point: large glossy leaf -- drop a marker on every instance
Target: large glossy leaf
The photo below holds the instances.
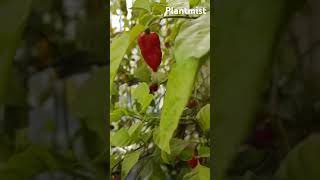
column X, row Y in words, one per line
column 303, row 161
column 90, row 103
column 182, row 76
column 129, row 161
column 118, row 49
column 179, row 89
column 12, row 19
column 193, row 40
column 244, row 38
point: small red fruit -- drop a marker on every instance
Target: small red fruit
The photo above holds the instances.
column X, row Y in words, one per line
column 153, row 88
column 192, row 103
column 149, row 44
column 116, row 178
column 193, row 162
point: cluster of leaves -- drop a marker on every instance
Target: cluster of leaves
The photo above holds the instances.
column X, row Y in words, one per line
column 35, row 43
column 156, row 132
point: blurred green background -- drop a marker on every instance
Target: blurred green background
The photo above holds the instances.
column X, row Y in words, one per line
column 53, row 84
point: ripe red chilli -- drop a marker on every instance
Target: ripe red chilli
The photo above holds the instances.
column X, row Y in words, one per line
column 193, row 162
column 149, row 44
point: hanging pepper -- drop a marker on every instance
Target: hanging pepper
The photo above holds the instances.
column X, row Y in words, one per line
column 149, row 44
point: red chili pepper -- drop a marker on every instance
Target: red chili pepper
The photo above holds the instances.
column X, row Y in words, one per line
column 193, row 162
column 149, row 44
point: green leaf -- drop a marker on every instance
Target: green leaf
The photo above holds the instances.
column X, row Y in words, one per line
column 204, row 151
column 141, row 94
column 135, row 131
column 118, row 49
column 159, row 8
column 199, row 173
column 120, row 138
column 129, row 161
column 194, row 3
column 143, row 73
column 176, row 147
column 193, row 40
column 142, row 4
column 204, row 117
column 12, row 19
column 90, row 104
column 159, row 77
column 244, row 42
column 178, row 3
column 186, row 154
column 116, row 115
column 182, row 76
column 179, row 89
column 303, row 161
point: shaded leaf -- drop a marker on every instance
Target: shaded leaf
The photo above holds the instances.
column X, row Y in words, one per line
column 129, row 161
column 90, row 103
column 303, row 161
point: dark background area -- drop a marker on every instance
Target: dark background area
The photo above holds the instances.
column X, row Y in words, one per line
column 53, row 59
column 266, row 90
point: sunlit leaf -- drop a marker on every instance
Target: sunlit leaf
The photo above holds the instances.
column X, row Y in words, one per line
column 142, row 4
column 120, row 138
column 199, row 173
column 193, row 39
column 118, row 49
column 141, row 94
column 204, row 117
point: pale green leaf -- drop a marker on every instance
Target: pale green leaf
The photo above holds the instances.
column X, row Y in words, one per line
column 141, row 94
column 118, row 49
column 193, row 39
column 120, row 138
column 116, row 115
column 142, row 4
column 178, row 4
column 179, row 89
column 204, row 117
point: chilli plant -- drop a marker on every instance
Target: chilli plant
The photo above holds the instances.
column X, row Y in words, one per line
column 159, row 91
